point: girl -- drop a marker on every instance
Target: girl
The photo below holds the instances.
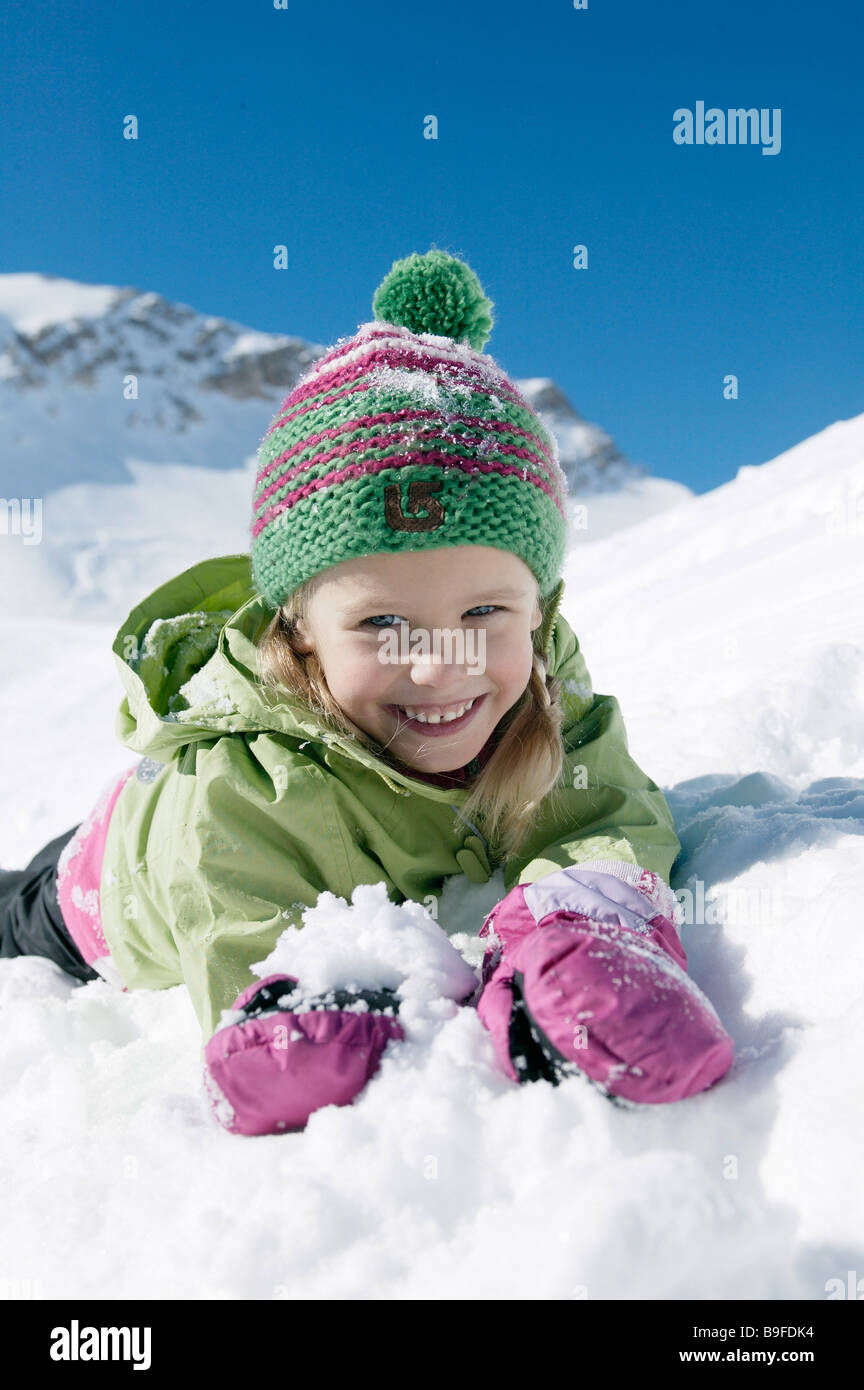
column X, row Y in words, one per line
column 384, row 690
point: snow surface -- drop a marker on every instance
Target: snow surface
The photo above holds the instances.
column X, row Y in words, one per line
column 31, row 302
column 731, row 628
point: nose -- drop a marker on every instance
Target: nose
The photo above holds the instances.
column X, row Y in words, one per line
column 434, row 673
column 431, row 670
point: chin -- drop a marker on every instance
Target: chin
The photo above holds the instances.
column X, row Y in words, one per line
column 445, row 760
column 434, row 764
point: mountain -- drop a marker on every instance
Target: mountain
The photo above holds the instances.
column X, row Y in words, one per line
column 116, row 481
column 206, row 387
column 589, row 456
column 607, row 491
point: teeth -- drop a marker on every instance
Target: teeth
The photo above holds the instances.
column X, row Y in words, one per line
column 436, row 718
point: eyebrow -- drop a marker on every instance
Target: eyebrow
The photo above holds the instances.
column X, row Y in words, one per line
column 379, row 603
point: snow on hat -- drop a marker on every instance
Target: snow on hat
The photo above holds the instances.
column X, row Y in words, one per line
column 407, row 436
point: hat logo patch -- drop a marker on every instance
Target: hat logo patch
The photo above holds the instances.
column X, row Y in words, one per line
column 420, row 497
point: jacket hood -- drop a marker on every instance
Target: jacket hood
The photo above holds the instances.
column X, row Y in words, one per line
column 187, row 660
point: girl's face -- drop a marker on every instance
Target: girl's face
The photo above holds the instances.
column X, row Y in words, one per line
column 458, row 623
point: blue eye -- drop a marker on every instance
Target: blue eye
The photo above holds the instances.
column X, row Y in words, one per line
column 380, row 618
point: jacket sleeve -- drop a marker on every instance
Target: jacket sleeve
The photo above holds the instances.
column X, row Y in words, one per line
column 255, row 852
column 605, row 810
column 247, row 863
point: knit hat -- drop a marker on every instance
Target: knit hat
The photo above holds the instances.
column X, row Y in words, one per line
column 407, row 436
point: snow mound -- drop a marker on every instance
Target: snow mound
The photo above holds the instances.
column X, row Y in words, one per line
column 370, row 944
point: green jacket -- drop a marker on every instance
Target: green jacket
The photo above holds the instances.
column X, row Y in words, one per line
column 247, row 807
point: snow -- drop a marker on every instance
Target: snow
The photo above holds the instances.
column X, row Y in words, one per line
column 373, row 944
column 421, row 383
column 203, row 689
column 731, row 628
column 601, row 514
column 744, row 607
column 32, row 302
column 248, row 343
column 424, row 385
column 111, row 377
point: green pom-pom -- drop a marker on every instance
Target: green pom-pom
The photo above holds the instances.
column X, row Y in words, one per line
column 435, row 293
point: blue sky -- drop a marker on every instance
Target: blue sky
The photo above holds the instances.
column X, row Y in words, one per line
column 304, row 126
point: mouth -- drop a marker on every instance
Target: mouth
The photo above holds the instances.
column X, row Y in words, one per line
column 440, row 719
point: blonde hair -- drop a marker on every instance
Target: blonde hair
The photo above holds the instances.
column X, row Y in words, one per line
column 523, row 769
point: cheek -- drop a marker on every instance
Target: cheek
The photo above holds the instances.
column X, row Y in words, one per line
column 355, row 674
column 509, row 663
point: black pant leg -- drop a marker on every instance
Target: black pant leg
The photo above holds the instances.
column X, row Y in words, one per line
column 31, row 923
column 10, row 881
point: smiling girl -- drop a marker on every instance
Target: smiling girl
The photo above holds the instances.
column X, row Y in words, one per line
column 405, row 486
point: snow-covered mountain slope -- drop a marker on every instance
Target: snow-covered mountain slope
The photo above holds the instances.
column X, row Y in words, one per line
column 737, row 617
column 731, row 627
column 91, row 375
column 607, row 491
column 589, row 456
column 111, row 482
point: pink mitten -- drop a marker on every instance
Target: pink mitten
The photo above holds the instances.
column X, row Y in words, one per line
column 585, row 971
column 284, row 1055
